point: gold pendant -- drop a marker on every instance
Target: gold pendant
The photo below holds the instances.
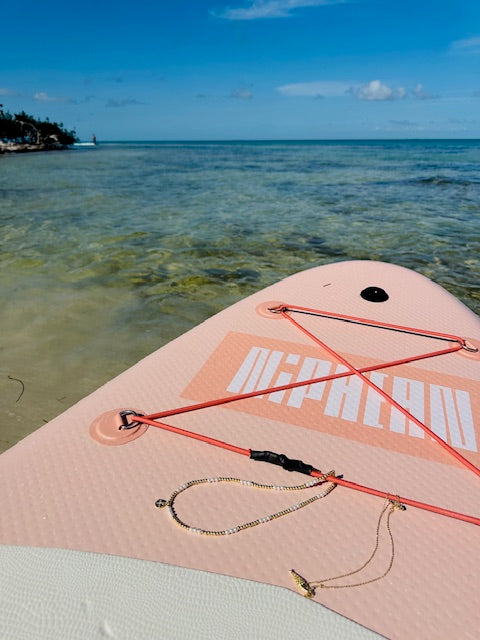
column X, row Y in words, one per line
column 305, row 587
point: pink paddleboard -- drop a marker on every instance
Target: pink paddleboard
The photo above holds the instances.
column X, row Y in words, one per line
column 87, row 552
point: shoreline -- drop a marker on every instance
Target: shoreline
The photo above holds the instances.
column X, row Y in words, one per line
column 14, row 147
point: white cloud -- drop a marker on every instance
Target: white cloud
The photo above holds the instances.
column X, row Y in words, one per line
column 421, row 94
column 42, row 96
column 257, row 9
column 467, row 45
column 377, row 90
column 317, row 89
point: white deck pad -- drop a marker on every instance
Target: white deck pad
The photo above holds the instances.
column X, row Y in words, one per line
column 51, row 594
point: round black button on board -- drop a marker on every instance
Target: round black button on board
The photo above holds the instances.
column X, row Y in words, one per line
column 374, row 294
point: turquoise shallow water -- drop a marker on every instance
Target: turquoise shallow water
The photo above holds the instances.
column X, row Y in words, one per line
column 108, row 253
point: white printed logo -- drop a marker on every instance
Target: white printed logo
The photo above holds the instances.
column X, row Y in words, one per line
column 446, row 411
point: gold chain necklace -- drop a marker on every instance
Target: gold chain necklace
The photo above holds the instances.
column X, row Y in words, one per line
column 308, row 588
column 169, row 504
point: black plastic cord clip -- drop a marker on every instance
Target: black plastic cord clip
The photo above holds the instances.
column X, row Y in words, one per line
column 283, row 461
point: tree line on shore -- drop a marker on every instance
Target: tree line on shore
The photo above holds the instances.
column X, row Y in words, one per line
column 23, row 132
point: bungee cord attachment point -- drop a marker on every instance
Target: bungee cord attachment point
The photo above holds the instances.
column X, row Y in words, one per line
column 124, row 418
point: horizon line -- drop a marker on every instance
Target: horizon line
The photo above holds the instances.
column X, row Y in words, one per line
column 246, row 140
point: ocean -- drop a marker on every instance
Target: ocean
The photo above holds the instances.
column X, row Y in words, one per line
column 107, row 253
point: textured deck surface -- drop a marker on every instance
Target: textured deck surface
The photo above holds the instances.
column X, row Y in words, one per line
column 61, row 489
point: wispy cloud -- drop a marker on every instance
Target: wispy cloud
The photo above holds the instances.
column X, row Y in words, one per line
column 84, row 100
column 467, row 45
column 8, row 92
column 420, row 93
column 372, row 91
column 316, row 89
column 377, row 90
column 124, row 102
column 257, row 9
column 409, row 124
column 242, row 94
column 43, row 96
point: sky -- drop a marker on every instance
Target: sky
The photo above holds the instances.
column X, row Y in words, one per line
column 245, row 69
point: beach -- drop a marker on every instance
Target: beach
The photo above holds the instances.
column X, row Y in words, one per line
column 110, row 252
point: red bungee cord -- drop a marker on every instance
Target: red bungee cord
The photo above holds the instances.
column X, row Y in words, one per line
column 296, row 465
column 453, row 452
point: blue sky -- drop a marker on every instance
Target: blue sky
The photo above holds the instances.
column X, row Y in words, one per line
column 245, row 69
